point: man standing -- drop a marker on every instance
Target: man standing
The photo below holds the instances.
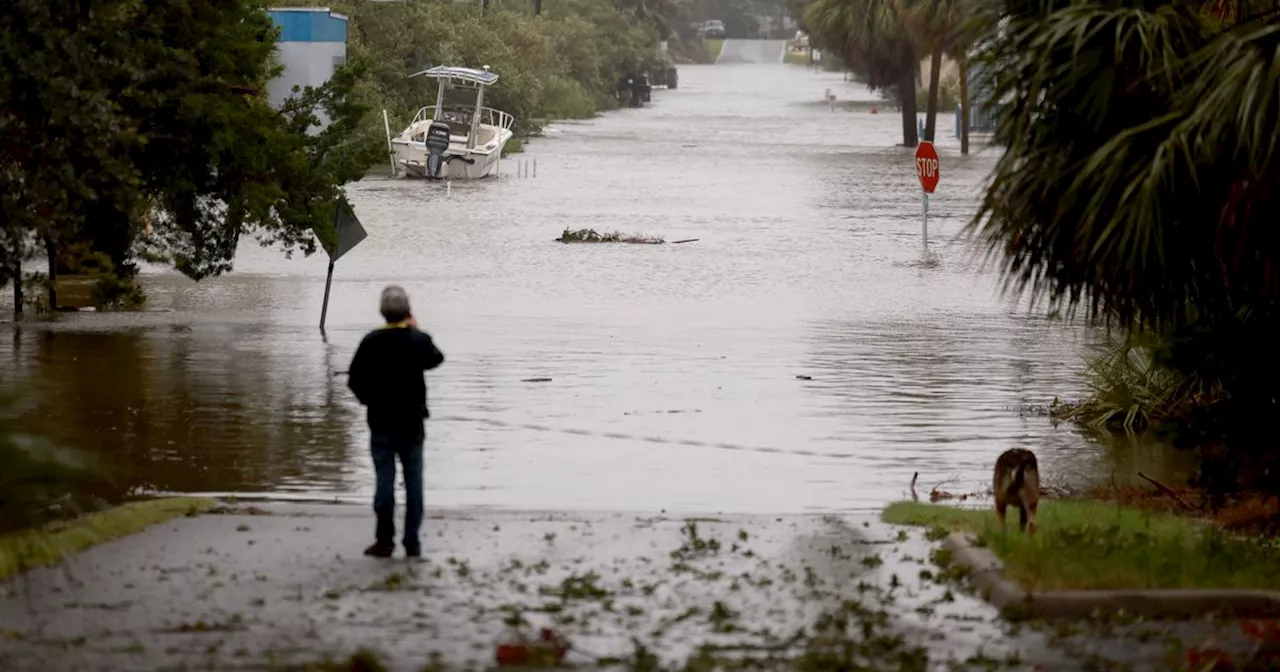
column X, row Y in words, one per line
column 386, row 375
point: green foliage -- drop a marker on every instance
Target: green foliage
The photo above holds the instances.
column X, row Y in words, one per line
column 567, row 99
column 1140, row 184
column 1154, row 161
column 872, row 38
column 1132, row 389
column 738, row 16
column 940, row 28
column 110, row 292
column 143, row 128
column 712, row 48
column 946, row 100
column 79, row 258
column 1094, row 545
column 549, row 66
column 884, row 41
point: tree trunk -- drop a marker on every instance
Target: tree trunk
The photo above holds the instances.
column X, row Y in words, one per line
column 935, row 77
column 963, row 60
column 907, row 103
column 17, row 288
column 51, row 251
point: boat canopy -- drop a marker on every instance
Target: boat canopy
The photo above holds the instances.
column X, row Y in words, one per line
column 483, row 77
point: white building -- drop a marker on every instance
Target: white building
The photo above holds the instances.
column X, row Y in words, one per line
column 313, row 43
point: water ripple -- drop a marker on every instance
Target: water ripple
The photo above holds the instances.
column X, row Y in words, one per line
column 665, row 361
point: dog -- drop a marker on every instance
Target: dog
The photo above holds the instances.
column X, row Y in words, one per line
column 1017, row 483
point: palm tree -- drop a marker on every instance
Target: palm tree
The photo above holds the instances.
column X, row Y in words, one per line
column 945, row 27
column 1141, row 182
column 663, row 15
column 872, row 39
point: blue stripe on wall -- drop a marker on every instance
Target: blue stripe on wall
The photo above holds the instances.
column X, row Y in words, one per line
column 308, row 26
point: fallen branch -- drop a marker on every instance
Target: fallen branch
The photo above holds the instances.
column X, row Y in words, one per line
column 1166, row 490
column 937, row 494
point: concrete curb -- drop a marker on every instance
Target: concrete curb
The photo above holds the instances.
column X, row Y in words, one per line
column 986, row 572
column 987, row 576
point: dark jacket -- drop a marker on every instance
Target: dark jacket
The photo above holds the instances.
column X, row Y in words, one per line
column 386, row 375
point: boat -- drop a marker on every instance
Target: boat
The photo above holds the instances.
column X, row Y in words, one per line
column 458, row 138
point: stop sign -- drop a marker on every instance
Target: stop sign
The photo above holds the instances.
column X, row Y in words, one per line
column 927, row 166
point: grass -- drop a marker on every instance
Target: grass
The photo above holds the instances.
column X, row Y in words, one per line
column 49, row 544
column 592, row 236
column 713, row 47
column 795, row 57
column 1094, row 545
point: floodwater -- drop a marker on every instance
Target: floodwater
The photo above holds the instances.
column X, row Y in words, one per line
column 805, row 318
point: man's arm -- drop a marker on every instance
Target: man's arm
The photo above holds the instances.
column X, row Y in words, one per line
column 357, row 375
column 429, row 354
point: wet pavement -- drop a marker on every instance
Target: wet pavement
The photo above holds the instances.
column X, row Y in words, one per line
column 761, row 52
column 265, row 584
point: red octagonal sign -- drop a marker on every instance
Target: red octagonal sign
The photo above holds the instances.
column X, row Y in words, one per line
column 927, row 166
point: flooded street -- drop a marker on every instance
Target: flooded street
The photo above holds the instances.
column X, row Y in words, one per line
column 808, row 264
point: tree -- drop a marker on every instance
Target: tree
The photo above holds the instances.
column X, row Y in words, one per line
column 242, row 167
column 871, row 37
column 663, row 15
column 64, row 133
column 944, row 27
column 133, row 111
column 1140, row 183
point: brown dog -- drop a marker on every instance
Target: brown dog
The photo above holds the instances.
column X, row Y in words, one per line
column 1017, row 483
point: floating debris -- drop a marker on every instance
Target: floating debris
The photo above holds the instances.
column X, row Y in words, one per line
column 536, row 380
column 593, row 236
column 548, row 650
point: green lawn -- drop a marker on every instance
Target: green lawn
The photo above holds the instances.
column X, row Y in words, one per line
column 48, row 545
column 713, row 47
column 795, row 57
column 1094, row 545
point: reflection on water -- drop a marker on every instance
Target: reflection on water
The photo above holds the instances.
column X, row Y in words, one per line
column 808, row 265
column 189, row 413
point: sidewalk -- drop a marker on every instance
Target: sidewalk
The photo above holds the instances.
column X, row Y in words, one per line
column 270, row 584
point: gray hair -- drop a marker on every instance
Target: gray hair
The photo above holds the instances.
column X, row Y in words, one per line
column 394, row 304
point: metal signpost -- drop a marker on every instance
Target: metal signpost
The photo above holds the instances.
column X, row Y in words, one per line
column 927, row 171
column 350, row 233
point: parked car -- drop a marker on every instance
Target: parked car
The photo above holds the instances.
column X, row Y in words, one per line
column 713, row 28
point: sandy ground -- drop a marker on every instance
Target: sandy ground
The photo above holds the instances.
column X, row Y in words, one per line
column 266, row 585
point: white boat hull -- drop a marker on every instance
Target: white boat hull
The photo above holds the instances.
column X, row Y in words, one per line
column 464, row 164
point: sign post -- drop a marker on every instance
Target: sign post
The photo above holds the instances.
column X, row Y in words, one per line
column 927, row 171
column 350, row 233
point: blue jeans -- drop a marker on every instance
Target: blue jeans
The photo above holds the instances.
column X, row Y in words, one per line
column 386, row 449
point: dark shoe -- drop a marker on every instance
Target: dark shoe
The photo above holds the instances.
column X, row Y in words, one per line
column 379, row 551
column 412, row 551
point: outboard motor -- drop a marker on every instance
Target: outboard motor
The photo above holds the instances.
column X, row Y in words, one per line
column 437, row 143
